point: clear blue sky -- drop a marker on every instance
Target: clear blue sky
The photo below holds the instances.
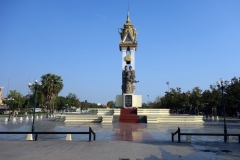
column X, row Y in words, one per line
column 186, row 42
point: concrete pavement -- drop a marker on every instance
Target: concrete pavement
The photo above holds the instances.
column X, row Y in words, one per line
column 118, row 142
column 115, row 150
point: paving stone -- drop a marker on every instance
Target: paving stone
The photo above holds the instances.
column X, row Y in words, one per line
column 152, row 142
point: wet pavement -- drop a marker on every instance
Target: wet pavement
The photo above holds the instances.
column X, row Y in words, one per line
column 119, row 141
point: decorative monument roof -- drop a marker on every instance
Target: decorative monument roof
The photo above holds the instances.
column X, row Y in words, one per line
column 128, row 34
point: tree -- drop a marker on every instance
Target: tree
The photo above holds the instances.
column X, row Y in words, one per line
column 110, row 104
column 73, row 100
column 18, row 101
column 173, row 99
column 211, row 98
column 195, row 97
column 40, row 96
column 51, row 86
column 144, row 105
column 61, row 102
column 233, row 94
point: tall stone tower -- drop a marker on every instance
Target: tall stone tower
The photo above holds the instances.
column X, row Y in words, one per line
column 128, row 47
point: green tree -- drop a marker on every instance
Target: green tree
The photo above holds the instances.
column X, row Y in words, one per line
column 211, row 98
column 84, row 105
column 110, row 104
column 40, row 98
column 232, row 97
column 73, row 100
column 144, row 105
column 61, row 102
column 18, row 101
column 196, row 97
column 173, row 99
column 51, row 86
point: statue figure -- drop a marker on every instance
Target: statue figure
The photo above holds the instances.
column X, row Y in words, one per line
column 124, row 79
column 128, row 80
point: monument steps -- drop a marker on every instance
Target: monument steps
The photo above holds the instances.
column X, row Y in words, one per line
column 130, row 116
column 129, row 119
column 128, row 111
column 116, row 118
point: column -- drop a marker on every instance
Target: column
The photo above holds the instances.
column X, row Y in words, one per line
column 132, row 52
column 124, row 53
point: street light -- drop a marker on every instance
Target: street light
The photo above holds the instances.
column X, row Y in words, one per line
column 221, row 84
column 36, row 86
column 168, row 85
column 206, row 109
column 148, row 100
column 10, row 99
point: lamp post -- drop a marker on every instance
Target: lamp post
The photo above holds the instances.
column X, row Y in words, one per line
column 148, row 100
column 168, row 85
column 221, row 84
column 10, row 99
column 36, row 86
column 206, row 108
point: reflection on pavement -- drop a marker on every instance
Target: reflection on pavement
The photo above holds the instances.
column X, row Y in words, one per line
column 131, row 132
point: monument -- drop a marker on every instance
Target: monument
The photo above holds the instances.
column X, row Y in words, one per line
column 128, row 47
column 1, row 97
column 128, row 103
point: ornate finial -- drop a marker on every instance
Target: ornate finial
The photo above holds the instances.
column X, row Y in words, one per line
column 128, row 15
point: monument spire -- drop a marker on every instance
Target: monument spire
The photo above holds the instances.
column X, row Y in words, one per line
column 128, row 15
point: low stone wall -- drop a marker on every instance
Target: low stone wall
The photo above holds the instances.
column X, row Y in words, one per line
column 107, row 119
column 82, row 118
column 174, row 119
column 106, row 116
column 116, row 112
column 152, row 112
column 104, row 111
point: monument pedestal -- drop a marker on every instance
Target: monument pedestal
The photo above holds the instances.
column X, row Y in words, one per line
column 129, row 101
column 129, row 116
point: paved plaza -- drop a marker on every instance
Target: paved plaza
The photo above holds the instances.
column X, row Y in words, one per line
column 117, row 141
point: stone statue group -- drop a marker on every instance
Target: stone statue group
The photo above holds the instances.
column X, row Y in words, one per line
column 128, row 80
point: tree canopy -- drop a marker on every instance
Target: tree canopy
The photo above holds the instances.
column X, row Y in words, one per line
column 175, row 99
column 14, row 100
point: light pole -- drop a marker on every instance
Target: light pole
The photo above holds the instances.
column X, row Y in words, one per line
column 168, row 85
column 221, row 84
column 10, row 99
column 36, row 86
column 148, row 100
column 206, row 108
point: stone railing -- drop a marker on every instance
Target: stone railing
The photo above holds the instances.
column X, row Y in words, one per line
column 81, row 118
column 104, row 111
column 153, row 112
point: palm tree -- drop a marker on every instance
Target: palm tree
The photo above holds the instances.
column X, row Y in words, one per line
column 51, row 86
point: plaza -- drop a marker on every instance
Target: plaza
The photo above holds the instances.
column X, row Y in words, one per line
column 121, row 96
column 119, row 141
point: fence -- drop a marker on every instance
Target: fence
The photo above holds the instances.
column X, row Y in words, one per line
column 35, row 134
column 200, row 134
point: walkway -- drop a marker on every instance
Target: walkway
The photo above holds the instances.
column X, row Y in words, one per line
column 117, row 142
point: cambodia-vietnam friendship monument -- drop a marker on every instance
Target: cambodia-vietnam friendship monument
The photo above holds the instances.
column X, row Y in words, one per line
column 128, row 47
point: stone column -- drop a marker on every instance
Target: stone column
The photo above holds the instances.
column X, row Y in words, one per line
column 124, row 53
column 132, row 52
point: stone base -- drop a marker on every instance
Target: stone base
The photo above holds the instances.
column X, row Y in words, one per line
column 81, row 118
column 174, row 119
column 128, row 101
column 144, row 115
column 148, row 112
column 107, row 119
